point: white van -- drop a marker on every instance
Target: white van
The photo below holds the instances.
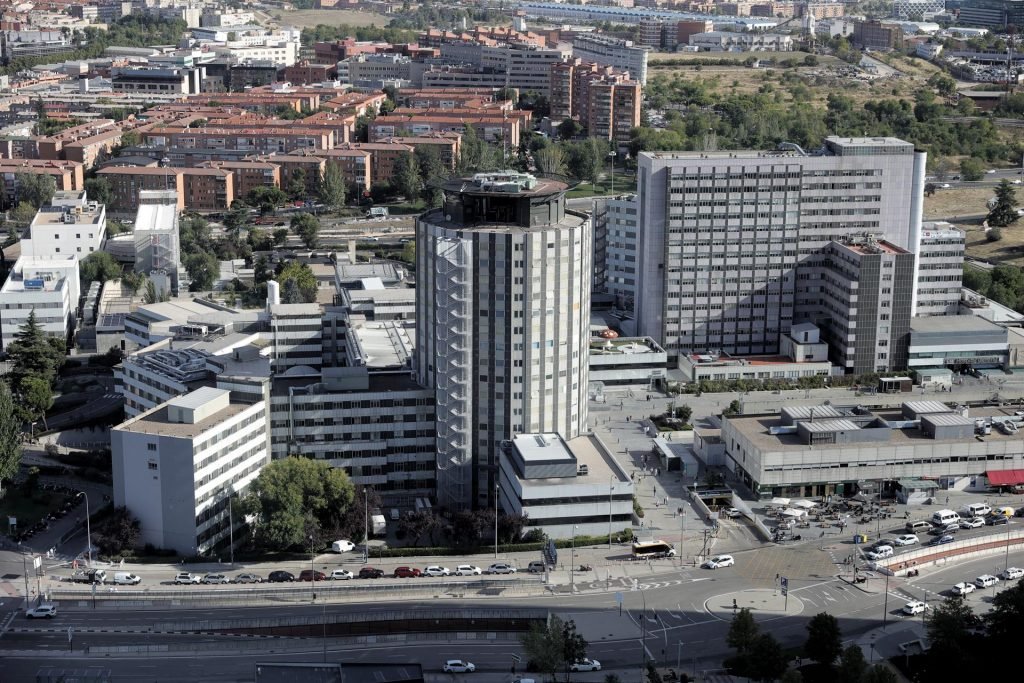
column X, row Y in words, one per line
column 944, row 517
column 126, row 579
column 976, row 510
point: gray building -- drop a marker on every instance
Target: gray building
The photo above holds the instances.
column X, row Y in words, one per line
column 958, row 342
column 503, row 315
column 733, row 246
column 611, row 51
column 940, row 270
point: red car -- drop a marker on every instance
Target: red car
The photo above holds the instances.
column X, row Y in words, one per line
column 407, row 572
column 310, row 575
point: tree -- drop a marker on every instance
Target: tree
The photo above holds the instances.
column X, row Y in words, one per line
column 971, row 169
column 98, row 190
column 23, row 213
column 407, row 177
column 574, row 646
column 1003, row 622
column 684, row 413
column 586, row 159
column 332, row 187
column 993, row 235
column 32, row 355
column 416, row 524
column 824, row 640
column 203, row 269
column 237, row 216
column 267, row 198
column 766, row 660
column 554, row 646
column 569, row 128
column 880, row 673
column 280, row 236
column 954, row 646
column 852, row 665
column 99, row 266
column 131, row 280
column 510, row 527
column 35, row 189
column 117, row 532
column 307, row 227
column 1004, row 211
column 35, row 397
column 550, row 160
column 295, row 498
column 467, row 528
column 929, row 189
column 10, row 435
column 297, row 184
column 298, row 284
column 432, row 172
column 743, row 631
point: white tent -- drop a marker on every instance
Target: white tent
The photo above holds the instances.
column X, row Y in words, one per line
column 806, row 504
column 781, row 502
column 793, row 512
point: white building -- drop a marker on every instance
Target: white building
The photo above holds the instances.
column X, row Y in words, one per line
column 70, row 225
column 176, row 466
column 157, row 241
column 49, row 287
column 609, row 51
column 296, row 335
column 733, row 247
column 919, row 9
column 279, row 52
column 621, row 251
column 725, row 41
column 627, row 360
column 567, row 488
column 940, row 262
column 184, row 317
column 503, row 312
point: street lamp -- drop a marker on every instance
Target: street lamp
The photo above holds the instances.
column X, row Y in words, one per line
column 312, row 571
column 572, row 562
column 1007, row 563
column 611, row 168
column 611, row 487
column 366, row 526
column 496, row 490
column 88, row 527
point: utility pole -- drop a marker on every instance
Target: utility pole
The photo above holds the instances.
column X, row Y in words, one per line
column 611, row 487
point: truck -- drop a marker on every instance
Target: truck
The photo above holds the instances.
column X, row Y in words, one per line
column 377, row 212
column 652, row 550
column 89, row 576
column 380, row 525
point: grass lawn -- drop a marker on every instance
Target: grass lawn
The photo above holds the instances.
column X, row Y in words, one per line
column 29, row 509
column 623, row 185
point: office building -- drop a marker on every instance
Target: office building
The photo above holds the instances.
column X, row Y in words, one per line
column 733, row 247
column 874, row 35
column 608, row 51
column 503, row 300
column 158, row 81
column 940, row 270
column 176, row 466
column 49, row 287
column 722, row 41
column 157, row 242
column 296, row 334
column 621, row 251
column 961, row 343
column 71, row 224
column 995, row 14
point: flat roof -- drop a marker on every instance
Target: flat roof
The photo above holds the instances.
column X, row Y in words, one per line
column 808, row 412
column 156, row 217
column 587, row 450
column 953, row 323
column 927, row 407
column 56, row 216
column 198, row 398
column 156, row 422
column 385, row 343
column 948, row 420
column 838, row 425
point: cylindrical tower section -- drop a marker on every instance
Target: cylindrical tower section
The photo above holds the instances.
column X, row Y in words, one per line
column 503, row 306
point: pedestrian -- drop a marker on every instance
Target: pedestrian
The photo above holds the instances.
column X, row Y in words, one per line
column 628, row 419
column 947, row 500
column 907, row 515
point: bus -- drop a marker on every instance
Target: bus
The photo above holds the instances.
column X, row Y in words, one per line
column 653, row 549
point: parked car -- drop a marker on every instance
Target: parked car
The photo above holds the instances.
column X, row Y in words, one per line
column 371, row 573
column 585, row 665
column 1012, row 573
column 719, row 561
column 962, row 588
column 281, row 576
column 941, row 540
column 187, row 577
column 41, row 612
column 248, row 578
column 501, row 568
column 341, row 575
column 730, row 512
column 985, row 581
column 468, row 570
column 342, row 546
column 941, row 529
column 215, row 579
column 406, row 572
column 906, row 539
column 994, row 520
column 972, row 523
column 914, row 607
column 434, row 570
column 312, row 575
column 459, row 666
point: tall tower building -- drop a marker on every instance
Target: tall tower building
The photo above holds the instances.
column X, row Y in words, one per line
column 503, row 316
column 732, row 249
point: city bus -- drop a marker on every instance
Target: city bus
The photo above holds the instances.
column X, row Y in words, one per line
column 653, row 549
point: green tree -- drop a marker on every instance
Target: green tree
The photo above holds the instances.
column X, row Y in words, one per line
column 99, row 266
column 332, row 187
column 586, row 159
column 295, row 498
column 1004, row 211
column 554, row 646
column 23, row 213
column 766, row 660
column 132, row 280
column 118, row 532
column 880, row 673
column 237, row 216
column 267, row 198
column 993, row 235
column 684, row 413
column 852, row 665
column 98, row 190
column 972, row 169
column 407, row 177
column 36, row 189
column 32, row 354
column 569, row 129
column 550, row 160
column 954, row 646
column 1004, row 621
column 824, row 640
column 297, row 277
column 432, row 173
column 35, row 397
column 297, row 184
column 743, row 631
column 280, row 236
column 203, row 269
column 307, row 227
column 574, row 646
column 10, row 435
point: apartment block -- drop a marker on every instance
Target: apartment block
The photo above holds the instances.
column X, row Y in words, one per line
column 127, row 181
column 67, row 175
column 70, row 225
column 940, row 259
column 685, row 29
column 303, row 73
column 733, row 247
column 248, row 175
column 355, row 165
column 867, row 304
column 382, row 157
column 208, row 189
column 176, row 466
column 613, row 109
column 455, row 98
column 255, row 140
column 292, row 165
column 492, row 128
column 157, row 81
column 877, row 36
column 608, row 51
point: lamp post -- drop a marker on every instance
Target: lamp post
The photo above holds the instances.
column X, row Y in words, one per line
column 643, row 638
column 231, row 532
column 611, row 168
column 88, row 526
column 572, row 562
column 366, row 526
column 885, row 606
column 611, row 487
column 312, row 571
column 497, row 489
column 1006, row 564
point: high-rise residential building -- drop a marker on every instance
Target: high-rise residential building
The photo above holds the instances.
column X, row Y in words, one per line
column 731, row 252
column 603, row 99
column 176, row 466
column 940, row 263
column 609, row 51
column 866, row 304
column 503, row 274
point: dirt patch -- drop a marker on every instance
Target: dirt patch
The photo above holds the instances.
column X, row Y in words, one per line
column 308, row 18
column 957, row 202
column 1010, row 249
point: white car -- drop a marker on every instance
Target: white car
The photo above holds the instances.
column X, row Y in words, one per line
column 732, row 512
column 340, row 575
column 972, row 523
column 468, row 570
column 944, row 186
column 215, row 578
column 458, row 666
column 1012, row 573
column 187, row 577
column 906, row 539
column 42, row 612
column 501, row 568
column 342, row 546
column 985, row 580
column 962, row 588
column 434, row 570
column 719, row 561
column 914, row 607
column 585, row 665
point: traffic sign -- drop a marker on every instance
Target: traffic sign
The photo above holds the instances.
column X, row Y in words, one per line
column 516, row 658
column 784, row 582
column 618, row 597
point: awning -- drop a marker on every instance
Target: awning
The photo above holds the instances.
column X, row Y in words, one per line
column 793, row 512
column 1005, row 477
column 783, row 502
column 805, row 504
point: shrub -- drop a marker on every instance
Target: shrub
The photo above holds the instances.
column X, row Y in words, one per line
column 993, row 234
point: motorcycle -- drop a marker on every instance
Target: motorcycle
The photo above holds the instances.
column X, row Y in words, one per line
column 585, row 568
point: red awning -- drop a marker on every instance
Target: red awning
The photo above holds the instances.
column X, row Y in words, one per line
column 1005, row 477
